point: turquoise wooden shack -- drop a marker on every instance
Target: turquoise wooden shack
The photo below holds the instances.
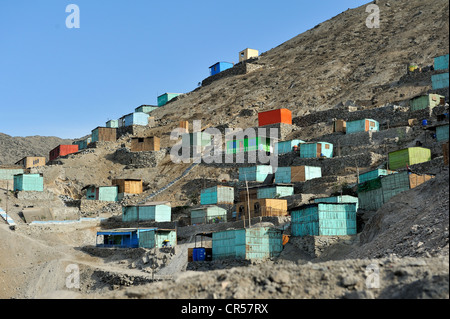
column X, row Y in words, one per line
column 8, row 173
column 208, row 214
column 364, row 125
column 441, row 62
column 257, row 173
column 286, row 146
column 102, row 193
column 374, row 193
column 442, row 133
column 112, row 124
column 166, row 97
column 146, row 109
column 316, row 150
column 137, row 118
column 29, row 182
column 136, row 238
column 324, row 219
column 152, row 211
column 294, row 174
column 249, row 244
column 346, row 199
column 368, row 176
column 440, row 81
column 275, row 191
column 217, row 195
column 83, row 143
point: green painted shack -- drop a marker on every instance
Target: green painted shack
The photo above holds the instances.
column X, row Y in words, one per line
column 324, row 219
column 152, row 211
column 250, row 144
column 426, row 101
column 29, row 182
column 408, row 156
column 257, row 243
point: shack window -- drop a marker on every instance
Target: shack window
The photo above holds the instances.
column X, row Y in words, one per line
column 140, row 140
column 327, row 146
column 372, row 124
column 257, row 208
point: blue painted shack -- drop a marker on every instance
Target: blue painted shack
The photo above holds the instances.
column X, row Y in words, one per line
column 286, row 146
column 217, row 195
column 374, row 174
column 112, row 124
column 257, row 243
column 275, row 191
column 441, row 62
column 29, row 182
column 364, row 125
column 137, row 118
column 324, row 219
column 219, row 67
column 136, row 238
column 256, row 173
column 316, row 150
column 338, row 199
column 442, row 132
column 440, row 81
column 152, row 211
column 295, row 174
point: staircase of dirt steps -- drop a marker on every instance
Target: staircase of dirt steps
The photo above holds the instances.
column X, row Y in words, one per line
column 185, row 173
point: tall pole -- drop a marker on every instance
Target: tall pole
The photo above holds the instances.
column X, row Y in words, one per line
column 248, row 203
column 7, row 198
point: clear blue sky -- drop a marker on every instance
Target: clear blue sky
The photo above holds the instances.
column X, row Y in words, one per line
column 56, row 81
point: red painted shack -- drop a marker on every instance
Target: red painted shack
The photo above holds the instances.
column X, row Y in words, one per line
column 275, row 117
column 62, row 150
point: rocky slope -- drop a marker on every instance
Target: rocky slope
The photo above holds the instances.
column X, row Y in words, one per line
column 13, row 149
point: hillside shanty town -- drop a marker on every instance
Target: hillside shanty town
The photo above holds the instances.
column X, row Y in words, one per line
column 342, row 192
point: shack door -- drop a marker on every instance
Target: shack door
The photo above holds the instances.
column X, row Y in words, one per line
column 367, row 128
column 319, row 150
